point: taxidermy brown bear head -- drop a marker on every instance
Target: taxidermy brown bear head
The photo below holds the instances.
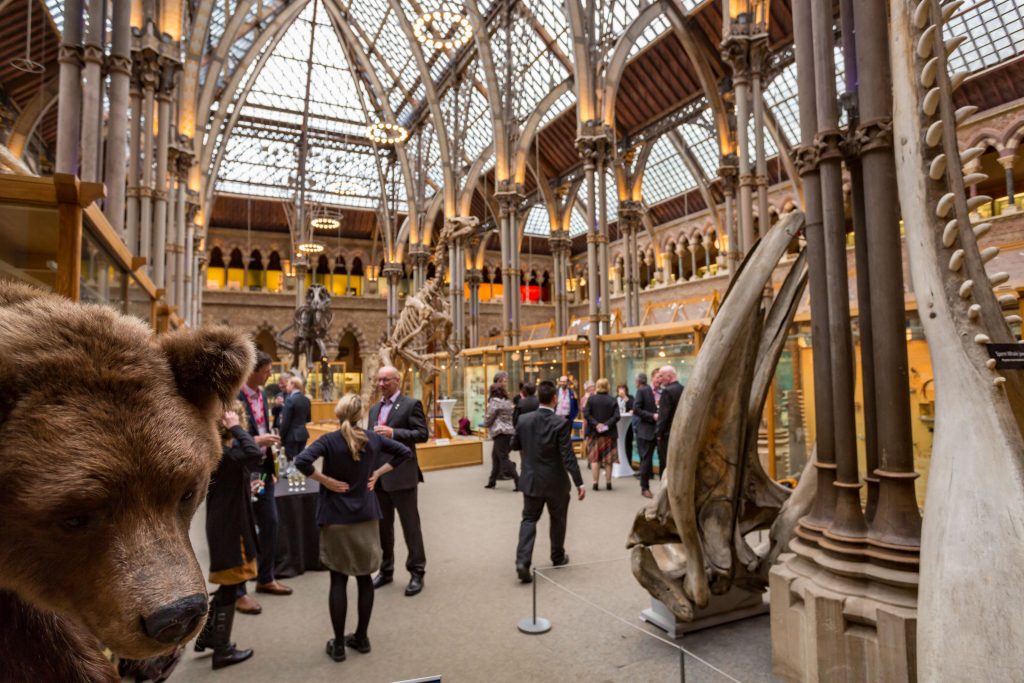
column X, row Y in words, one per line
column 107, row 441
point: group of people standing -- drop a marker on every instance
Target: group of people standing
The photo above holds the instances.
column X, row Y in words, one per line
column 367, row 476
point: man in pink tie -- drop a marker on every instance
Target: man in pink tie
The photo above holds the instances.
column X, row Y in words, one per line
column 400, row 418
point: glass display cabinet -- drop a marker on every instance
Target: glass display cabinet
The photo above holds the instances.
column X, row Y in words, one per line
column 551, row 358
column 53, row 237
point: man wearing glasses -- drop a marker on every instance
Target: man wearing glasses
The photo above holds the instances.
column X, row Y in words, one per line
column 400, row 418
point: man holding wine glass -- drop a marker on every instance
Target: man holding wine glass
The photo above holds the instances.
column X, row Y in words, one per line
column 257, row 409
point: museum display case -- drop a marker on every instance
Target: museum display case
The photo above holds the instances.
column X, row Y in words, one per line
column 54, row 237
column 550, row 358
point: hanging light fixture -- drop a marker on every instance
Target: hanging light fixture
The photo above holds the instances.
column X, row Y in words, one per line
column 442, row 30
column 325, row 223
column 26, row 63
column 387, row 133
column 311, row 247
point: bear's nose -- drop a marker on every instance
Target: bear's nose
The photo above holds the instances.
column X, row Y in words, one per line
column 172, row 622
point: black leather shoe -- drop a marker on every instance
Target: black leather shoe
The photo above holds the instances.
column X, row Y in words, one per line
column 415, row 585
column 382, row 579
column 229, row 655
column 524, row 573
column 358, row 644
column 563, row 561
column 490, row 485
column 336, row 650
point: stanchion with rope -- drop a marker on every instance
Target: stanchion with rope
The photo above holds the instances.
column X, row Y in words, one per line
column 534, row 625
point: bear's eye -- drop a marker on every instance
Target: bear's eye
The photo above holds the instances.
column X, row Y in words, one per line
column 189, row 495
column 77, row 522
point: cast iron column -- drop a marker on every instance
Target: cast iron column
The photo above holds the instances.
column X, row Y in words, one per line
column 92, row 93
column 896, row 523
column 69, row 103
column 132, row 190
column 593, row 288
column 163, row 97
column 820, row 517
column 150, row 78
column 605, row 279
column 848, row 527
column 728, row 172
column 117, row 120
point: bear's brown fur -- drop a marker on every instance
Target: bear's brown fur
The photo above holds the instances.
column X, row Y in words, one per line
column 107, row 441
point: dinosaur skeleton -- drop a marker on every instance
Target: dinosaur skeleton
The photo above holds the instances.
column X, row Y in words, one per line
column 425, row 317
column 972, row 551
column 689, row 541
column 311, row 325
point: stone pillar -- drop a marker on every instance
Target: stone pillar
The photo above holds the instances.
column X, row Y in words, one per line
column 117, row 118
column 728, row 172
column 1007, row 163
column 758, row 55
column 735, row 51
column 133, row 190
column 474, row 277
column 626, row 228
column 681, row 255
column 419, row 258
column 150, row 79
column 517, row 298
column 392, row 273
column 69, row 101
column 693, row 263
column 602, row 245
column 92, row 93
column 163, row 96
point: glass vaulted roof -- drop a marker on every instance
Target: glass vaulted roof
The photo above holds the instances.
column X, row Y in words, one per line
column 262, row 154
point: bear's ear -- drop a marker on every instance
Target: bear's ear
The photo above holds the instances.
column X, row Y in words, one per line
column 209, row 364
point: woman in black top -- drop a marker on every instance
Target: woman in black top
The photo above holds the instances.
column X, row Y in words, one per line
column 349, row 513
column 602, row 415
column 231, row 535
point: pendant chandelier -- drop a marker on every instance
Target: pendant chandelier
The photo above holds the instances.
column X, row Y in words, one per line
column 442, row 29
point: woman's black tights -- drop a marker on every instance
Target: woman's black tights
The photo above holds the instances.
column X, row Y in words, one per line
column 339, row 604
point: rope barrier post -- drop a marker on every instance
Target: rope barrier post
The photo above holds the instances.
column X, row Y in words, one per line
column 682, row 666
column 534, row 626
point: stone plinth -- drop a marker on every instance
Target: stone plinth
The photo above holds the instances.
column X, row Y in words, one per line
column 836, row 620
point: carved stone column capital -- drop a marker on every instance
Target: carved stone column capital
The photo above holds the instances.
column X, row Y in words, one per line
column 874, row 134
column 829, row 143
column 119, row 64
column 93, row 54
column 70, row 54
column 805, row 158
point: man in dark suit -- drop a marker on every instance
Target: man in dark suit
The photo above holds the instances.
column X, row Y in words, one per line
column 544, row 439
column 257, row 410
column 527, row 403
column 671, row 397
column 294, row 418
column 645, row 419
column 400, row 418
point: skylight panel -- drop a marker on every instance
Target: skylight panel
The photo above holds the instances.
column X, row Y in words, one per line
column 551, row 17
column 558, row 107
column 701, row 137
column 537, row 222
column 994, row 30
column 653, row 31
column 781, row 98
column 577, row 222
column 56, row 8
column 665, row 175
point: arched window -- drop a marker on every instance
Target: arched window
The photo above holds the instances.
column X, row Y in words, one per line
column 274, row 262
column 339, row 266
column 216, row 258
column 357, row 266
column 275, row 276
column 236, row 259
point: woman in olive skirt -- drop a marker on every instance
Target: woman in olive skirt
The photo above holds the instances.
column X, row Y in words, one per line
column 349, row 514
column 231, row 535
